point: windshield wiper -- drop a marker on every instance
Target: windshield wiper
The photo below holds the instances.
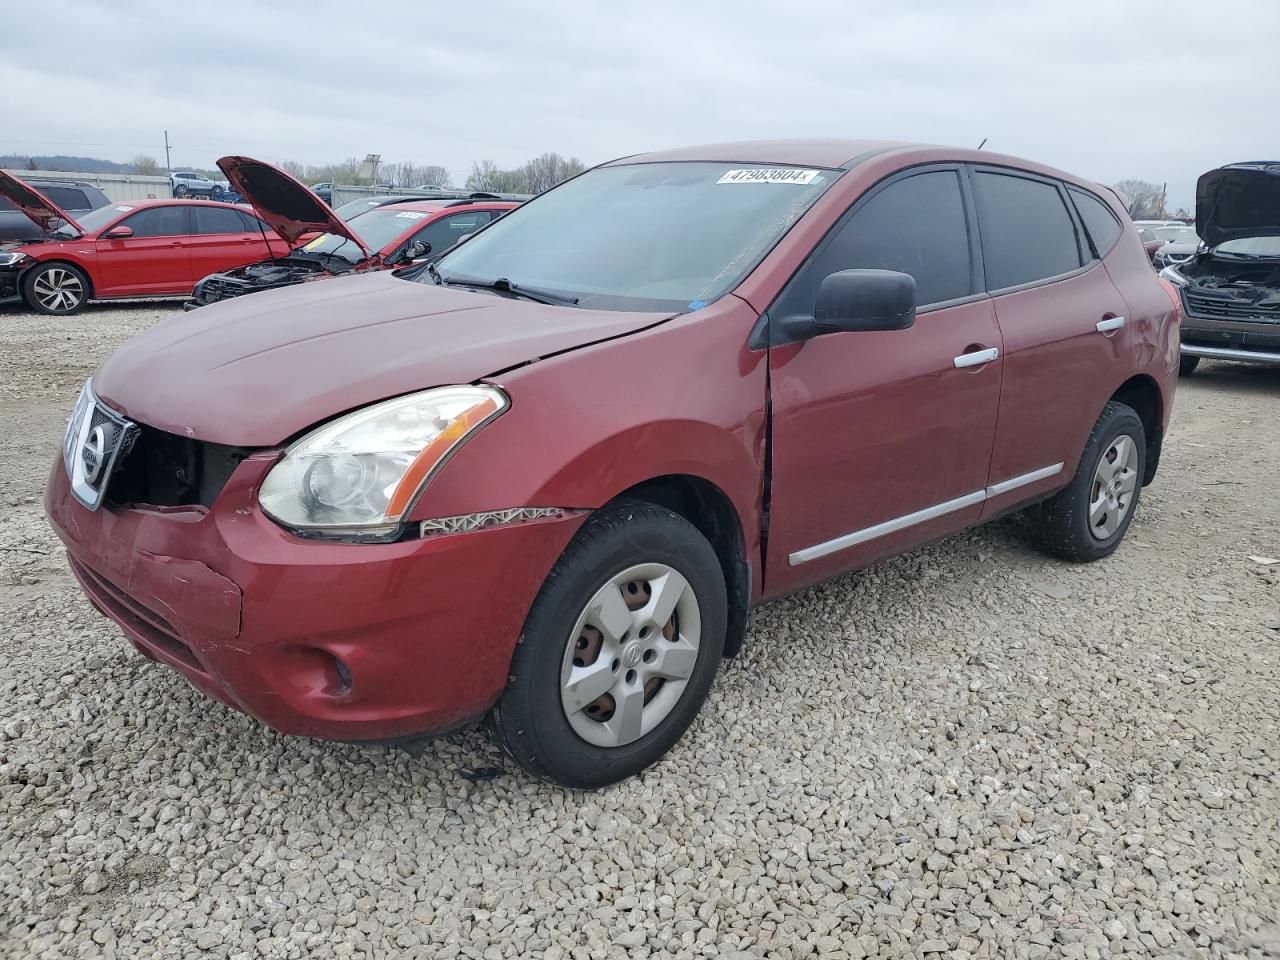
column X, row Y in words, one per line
column 503, row 285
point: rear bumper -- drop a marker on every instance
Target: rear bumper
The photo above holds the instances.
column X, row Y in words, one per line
column 331, row 640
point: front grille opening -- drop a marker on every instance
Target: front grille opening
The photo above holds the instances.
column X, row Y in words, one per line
column 165, row 470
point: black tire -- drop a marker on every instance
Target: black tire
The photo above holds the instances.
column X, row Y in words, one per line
column 181, row 190
column 529, row 722
column 1061, row 524
column 61, row 276
column 1187, row 365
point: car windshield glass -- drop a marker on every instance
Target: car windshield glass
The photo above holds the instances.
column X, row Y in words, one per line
column 1251, row 247
column 375, row 228
column 646, row 236
column 1176, row 235
column 94, row 219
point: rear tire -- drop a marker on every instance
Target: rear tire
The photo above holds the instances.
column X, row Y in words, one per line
column 1187, row 365
column 598, row 688
column 1087, row 519
column 56, row 288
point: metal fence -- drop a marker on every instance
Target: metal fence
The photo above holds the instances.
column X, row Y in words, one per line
column 119, row 187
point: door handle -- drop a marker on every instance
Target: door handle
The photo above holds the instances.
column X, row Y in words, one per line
column 1109, row 324
column 977, row 357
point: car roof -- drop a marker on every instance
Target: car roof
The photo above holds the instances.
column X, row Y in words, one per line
column 843, row 155
column 434, row 206
column 174, row 201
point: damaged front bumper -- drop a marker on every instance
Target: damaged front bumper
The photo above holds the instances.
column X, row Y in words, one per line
column 366, row 642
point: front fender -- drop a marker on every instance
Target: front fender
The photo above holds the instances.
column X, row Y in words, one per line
column 684, row 397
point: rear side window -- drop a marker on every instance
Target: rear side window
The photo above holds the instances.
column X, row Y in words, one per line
column 1099, row 222
column 445, row 232
column 1027, row 233
column 68, row 198
column 253, row 224
column 158, row 222
column 915, row 226
column 218, row 220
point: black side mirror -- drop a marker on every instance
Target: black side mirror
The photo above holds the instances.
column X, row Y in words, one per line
column 415, row 251
column 854, row 300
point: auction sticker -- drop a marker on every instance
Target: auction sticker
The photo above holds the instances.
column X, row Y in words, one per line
column 410, row 215
column 769, row 175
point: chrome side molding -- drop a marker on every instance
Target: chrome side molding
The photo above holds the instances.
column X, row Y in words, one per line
column 920, row 516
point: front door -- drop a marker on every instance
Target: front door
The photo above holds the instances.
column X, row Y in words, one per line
column 155, row 260
column 882, row 440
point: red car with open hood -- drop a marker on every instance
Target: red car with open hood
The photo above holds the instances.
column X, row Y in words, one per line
column 144, row 248
column 391, row 235
column 544, row 480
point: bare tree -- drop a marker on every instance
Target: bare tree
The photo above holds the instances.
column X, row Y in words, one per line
column 544, row 172
column 1145, row 200
column 145, row 166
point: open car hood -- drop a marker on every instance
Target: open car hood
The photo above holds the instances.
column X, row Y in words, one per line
column 33, row 203
column 287, row 205
column 1237, row 201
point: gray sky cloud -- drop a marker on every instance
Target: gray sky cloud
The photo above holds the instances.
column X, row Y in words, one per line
column 1153, row 90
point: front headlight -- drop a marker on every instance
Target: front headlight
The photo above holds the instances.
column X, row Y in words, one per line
column 359, row 476
column 12, row 259
column 1174, row 276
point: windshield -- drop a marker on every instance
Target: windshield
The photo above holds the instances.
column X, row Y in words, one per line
column 376, row 228
column 94, row 219
column 1176, row 235
column 1251, row 247
column 646, row 236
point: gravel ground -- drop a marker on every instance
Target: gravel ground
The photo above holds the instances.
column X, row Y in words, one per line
column 969, row 751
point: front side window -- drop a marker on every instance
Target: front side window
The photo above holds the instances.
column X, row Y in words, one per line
column 158, row 222
column 1027, row 234
column 916, row 226
column 445, row 232
column 644, row 236
column 1099, row 222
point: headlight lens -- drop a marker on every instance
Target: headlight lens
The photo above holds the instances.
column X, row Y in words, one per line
column 361, row 474
column 12, row 259
column 1174, row 276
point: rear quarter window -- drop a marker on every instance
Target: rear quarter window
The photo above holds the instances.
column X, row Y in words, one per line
column 1027, row 233
column 68, row 198
column 1099, row 222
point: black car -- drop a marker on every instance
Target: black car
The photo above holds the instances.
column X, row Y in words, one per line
column 1230, row 289
column 75, row 198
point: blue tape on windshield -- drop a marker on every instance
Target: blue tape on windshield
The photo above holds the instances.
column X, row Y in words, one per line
column 696, row 304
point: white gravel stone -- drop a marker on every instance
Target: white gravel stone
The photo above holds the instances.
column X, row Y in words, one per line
column 970, row 752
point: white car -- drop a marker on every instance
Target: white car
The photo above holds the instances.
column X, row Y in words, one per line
column 188, row 183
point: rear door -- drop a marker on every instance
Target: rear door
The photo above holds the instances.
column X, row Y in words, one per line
column 155, row 260
column 1063, row 326
column 222, row 239
column 883, row 439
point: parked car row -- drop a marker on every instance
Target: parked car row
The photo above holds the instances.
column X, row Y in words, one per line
column 209, row 250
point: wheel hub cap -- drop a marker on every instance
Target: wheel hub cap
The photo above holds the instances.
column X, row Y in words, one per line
column 630, row 655
column 1115, row 481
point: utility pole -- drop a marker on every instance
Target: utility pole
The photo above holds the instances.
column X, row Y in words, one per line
column 1164, row 192
column 167, row 167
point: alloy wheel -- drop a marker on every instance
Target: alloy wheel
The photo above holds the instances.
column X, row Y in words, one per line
column 630, row 655
column 58, row 289
column 1114, row 483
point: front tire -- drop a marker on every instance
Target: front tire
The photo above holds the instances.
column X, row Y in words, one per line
column 1187, row 365
column 619, row 649
column 1088, row 518
column 55, row 288
column 181, row 190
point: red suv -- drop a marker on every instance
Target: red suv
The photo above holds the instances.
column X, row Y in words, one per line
column 544, row 481
column 143, row 248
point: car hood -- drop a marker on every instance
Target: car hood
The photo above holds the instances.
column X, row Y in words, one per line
column 1237, row 201
column 254, row 371
column 33, row 203
column 286, row 204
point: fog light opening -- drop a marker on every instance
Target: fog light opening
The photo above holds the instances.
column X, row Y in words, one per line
column 340, row 681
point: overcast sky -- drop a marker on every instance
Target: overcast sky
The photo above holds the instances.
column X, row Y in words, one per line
column 1108, row 90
